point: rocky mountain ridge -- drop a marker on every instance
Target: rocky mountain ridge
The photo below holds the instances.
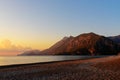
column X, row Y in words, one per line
column 84, row 44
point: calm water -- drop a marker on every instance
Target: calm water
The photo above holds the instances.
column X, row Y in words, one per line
column 10, row 60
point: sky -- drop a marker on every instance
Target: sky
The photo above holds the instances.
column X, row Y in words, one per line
column 38, row 24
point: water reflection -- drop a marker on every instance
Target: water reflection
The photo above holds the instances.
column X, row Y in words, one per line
column 10, row 60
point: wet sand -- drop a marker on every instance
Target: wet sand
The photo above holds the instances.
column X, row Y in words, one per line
column 107, row 68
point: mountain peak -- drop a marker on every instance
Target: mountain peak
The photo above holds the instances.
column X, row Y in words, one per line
column 84, row 44
column 71, row 37
column 64, row 38
column 89, row 34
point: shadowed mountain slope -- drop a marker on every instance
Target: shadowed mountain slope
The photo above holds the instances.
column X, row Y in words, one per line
column 84, row 44
column 115, row 39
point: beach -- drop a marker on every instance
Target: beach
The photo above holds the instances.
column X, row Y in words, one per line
column 106, row 68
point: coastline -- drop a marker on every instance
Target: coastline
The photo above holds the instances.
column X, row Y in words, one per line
column 86, row 69
column 27, row 64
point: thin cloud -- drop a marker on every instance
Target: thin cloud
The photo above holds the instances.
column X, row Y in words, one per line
column 7, row 45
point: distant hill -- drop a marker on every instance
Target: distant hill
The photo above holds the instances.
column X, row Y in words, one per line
column 30, row 53
column 84, row 44
column 115, row 39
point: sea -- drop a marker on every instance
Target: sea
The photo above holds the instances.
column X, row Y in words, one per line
column 13, row 60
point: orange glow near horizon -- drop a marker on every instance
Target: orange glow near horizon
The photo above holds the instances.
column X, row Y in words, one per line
column 11, row 47
column 9, row 53
column 38, row 24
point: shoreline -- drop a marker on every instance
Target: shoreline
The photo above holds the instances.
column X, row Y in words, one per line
column 28, row 64
column 86, row 69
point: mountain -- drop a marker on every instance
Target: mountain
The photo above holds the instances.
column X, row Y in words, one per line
column 84, row 44
column 115, row 39
column 30, row 53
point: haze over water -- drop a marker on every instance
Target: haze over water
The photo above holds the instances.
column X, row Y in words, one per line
column 12, row 60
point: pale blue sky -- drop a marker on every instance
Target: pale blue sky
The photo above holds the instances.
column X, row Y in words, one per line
column 47, row 21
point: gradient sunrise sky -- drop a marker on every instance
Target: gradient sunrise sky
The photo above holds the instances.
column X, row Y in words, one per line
column 38, row 24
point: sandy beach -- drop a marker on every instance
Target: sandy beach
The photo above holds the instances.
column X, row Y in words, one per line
column 107, row 68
